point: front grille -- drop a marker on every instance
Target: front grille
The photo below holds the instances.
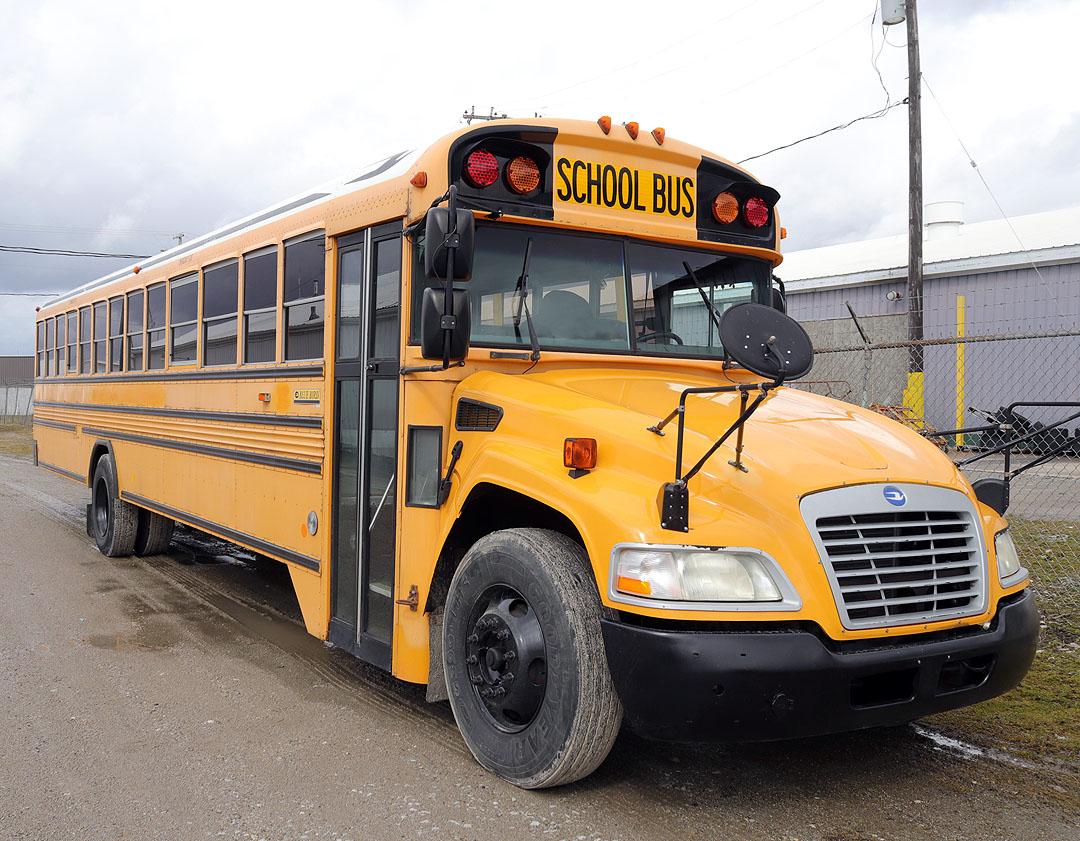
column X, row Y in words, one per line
column 903, row 567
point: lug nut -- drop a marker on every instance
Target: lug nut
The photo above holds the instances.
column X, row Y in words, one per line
column 473, row 638
column 471, row 660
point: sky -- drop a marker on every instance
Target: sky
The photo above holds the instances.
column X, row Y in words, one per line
column 123, row 124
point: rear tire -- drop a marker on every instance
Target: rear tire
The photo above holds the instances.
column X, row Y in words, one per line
column 154, row 533
column 524, row 659
column 113, row 521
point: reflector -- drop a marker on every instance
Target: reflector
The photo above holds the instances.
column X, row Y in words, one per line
column 481, row 168
column 522, row 174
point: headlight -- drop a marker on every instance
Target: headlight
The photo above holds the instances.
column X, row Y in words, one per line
column 700, row 574
column 1008, row 560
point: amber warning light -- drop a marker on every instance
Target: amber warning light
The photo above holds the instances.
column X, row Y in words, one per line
column 579, row 453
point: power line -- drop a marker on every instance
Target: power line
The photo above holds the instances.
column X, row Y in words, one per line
column 881, row 112
column 978, row 172
column 69, row 229
column 65, row 252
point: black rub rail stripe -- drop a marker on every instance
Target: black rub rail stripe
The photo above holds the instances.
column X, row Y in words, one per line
column 71, row 474
column 232, row 534
column 69, row 427
column 282, row 373
column 313, row 421
column 204, row 449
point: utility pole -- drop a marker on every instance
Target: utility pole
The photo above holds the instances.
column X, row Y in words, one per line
column 914, row 394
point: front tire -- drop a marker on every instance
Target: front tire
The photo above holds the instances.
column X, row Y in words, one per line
column 113, row 521
column 524, row 659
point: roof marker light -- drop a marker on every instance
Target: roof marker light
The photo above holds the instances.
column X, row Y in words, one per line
column 419, row 180
column 658, row 135
column 605, row 124
column 632, row 129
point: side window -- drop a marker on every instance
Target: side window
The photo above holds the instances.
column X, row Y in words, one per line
column 101, row 321
column 41, row 369
column 155, row 327
column 135, row 330
column 305, row 266
column 50, row 347
column 72, row 341
column 116, row 334
column 86, row 361
column 183, row 319
column 61, row 332
column 219, row 314
column 260, row 305
column 386, row 300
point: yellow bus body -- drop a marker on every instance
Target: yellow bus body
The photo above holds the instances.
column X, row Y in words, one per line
column 797, row 444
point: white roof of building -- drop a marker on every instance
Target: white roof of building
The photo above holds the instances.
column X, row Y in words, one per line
column 1048, row 238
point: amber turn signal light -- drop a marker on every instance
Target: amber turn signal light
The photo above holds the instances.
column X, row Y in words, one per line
column 632, row 129
column 605, row 124
column 419, row 180
column 522, row 174
column 579, row 453
column 658, row 135
column 725, row 208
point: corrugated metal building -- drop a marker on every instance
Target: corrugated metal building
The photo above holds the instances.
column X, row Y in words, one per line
column 16, row 370
column 1017, row 306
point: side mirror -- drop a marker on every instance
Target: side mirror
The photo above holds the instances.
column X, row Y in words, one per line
column 435, row 227
column 432, row 327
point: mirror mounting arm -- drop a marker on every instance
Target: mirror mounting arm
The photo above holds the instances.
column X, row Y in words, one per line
column 451, row 243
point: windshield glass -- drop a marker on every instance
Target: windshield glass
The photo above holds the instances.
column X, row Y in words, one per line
column 588, row 292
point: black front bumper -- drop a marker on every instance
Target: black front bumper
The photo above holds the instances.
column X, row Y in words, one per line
column 761, row 685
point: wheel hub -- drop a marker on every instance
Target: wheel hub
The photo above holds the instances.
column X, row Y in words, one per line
column 101, row 507
column 506, row 657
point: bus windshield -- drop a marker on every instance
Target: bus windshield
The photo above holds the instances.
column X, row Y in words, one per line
column 605, row 294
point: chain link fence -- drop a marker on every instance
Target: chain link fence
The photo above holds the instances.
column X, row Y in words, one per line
column 1000, row 357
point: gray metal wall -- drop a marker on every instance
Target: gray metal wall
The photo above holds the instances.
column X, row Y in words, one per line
column 16, row 370
column 1016, row 302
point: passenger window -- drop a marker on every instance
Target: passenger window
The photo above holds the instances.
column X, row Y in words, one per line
column 135, row 330
column 155, row 327
column 183, row 319
column 50, row 345
column 260, row 305
column 305, row 266
column 101, row 322
column 219, row 314
column 41, row 348
column 116, row 334
column 86, row 361
column 72, row 342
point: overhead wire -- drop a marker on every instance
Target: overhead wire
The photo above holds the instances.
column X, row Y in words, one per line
column 66, row 252
column 978, row 172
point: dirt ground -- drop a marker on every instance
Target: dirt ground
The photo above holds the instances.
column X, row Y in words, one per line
column 179, row 697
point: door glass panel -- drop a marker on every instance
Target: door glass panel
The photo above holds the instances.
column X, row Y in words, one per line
column 350, row 278
column 382, row 506
column 386, row 297
column 345, row 584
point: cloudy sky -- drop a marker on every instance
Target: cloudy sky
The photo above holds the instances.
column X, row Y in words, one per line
column 124, row 123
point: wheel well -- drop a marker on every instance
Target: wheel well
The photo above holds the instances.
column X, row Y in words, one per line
column 487, row 505
column 100, row 449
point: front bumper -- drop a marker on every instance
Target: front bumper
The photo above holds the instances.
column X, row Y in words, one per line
column 762, row 685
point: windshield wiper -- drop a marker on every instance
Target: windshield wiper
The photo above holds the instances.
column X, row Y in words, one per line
column 520, row 303
column 704, row 298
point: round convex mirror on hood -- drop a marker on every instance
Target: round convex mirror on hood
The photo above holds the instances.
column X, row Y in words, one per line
column 766, row 341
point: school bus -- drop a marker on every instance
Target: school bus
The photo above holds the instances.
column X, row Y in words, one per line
column 455, row 393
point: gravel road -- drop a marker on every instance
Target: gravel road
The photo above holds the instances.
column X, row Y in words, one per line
column 178, row 697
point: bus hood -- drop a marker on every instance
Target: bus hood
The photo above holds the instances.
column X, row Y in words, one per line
column 796, row 442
